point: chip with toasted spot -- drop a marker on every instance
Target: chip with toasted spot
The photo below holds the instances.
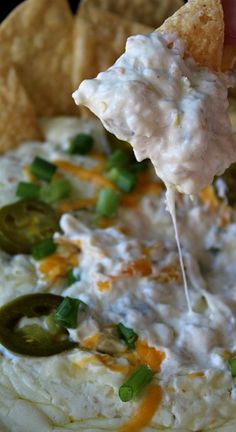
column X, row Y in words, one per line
column 99, row 39
column 18, row 121
column 200, row 23
column 229, row 57
column 151, row 13
column 37, row 39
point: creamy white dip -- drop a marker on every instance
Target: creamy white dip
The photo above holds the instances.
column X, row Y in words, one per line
column 72, row 391
column 171, row 109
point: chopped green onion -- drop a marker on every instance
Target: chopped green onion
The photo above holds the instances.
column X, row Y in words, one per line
column 80, row 144
column 55, row 191
column 108, row 201
column 136, row 383
column 67, row 312
column 72, row 277
column 42, row 169
column 113, row 174
column 43, row 249
column 128, row 335
column 28, row 190
column 124, row 179
column 232, row 365
column 118, row 159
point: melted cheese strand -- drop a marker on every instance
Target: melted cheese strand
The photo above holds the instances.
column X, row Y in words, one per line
column 170, row 201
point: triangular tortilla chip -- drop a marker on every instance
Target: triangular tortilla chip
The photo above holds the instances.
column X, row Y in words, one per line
column 200, row 23
column 151, row 13
column 99, row 39
column 37, row 39
column 18, row 121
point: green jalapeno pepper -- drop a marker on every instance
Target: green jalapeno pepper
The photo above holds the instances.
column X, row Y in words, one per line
column 25, row 223
column 32, row 340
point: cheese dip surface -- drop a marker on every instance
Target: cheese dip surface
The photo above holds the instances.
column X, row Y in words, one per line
column 171, row 109
column 126, row 270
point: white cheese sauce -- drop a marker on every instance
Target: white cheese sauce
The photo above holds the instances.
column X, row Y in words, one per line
column 73, row 391
column 169, row 108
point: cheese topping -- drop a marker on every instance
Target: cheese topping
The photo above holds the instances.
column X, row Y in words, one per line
column 169, row 108
column 126, row 272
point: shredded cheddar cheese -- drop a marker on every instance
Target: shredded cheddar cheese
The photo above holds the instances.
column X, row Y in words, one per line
column 104, row 285
column 168, row 274
column 53, row 267
column 145, row 411
column 76, row 204
column 111, row 363
column 91, row 341
column 139, row 267
column 84, row 174
column 149, row 355
column 209, row 197
column 56, row 266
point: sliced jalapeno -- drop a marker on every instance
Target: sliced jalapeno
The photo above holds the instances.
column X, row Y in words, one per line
column 25, row 223
column 32, row 340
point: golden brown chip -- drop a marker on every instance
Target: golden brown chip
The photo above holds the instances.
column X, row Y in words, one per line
column 201, row 24
column 18, row 121
column 229, row 57
column 150, row 12
column 99, row 40
column 37, row 39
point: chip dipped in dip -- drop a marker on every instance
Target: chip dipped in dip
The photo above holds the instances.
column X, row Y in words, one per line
column 170, row 108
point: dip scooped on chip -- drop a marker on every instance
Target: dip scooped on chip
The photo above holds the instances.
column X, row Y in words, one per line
column 167, row 96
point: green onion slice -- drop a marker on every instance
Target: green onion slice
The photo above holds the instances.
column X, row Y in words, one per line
column 124, row 179
column 42, row 169
column 28, row 190
column 56, row 190
column 72, row 277
column 68, row 312
column 43, row 249
column 80, row 144
column 128, row 335
column 118, row 159
column 108, row 202
column 136, row 383
column 232, row 365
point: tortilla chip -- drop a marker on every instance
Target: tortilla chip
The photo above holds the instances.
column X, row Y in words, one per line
column 99, row 40
column 151, row 13
column 18, row 121
column 229, row 57
column 37, row 39
column 201, row 24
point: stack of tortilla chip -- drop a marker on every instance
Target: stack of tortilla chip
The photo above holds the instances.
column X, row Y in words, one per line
column 45, row 52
